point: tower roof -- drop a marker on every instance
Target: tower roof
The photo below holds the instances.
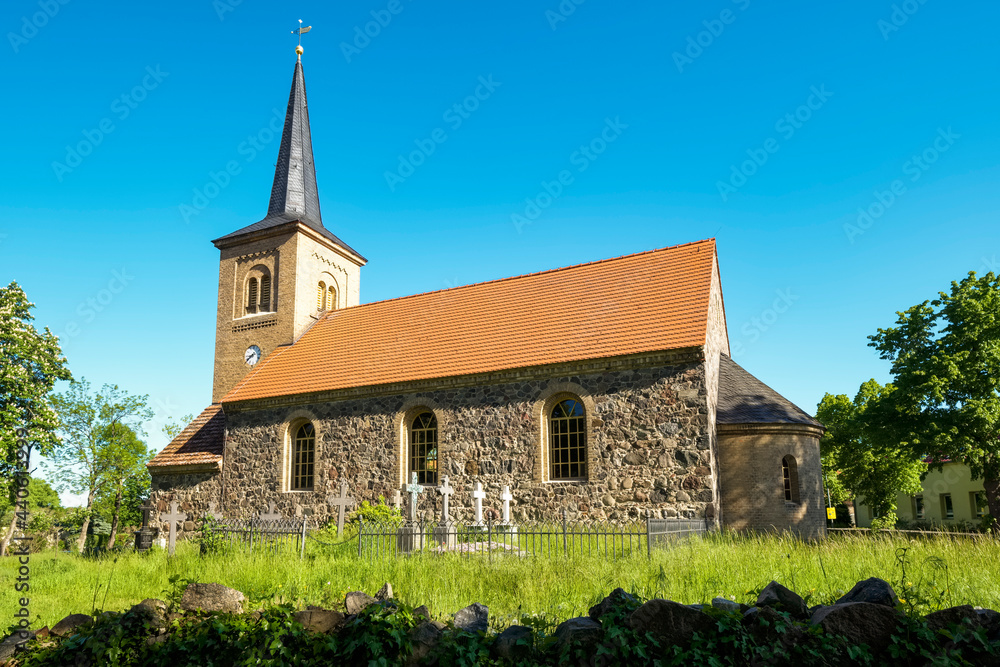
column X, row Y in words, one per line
column 294, row 195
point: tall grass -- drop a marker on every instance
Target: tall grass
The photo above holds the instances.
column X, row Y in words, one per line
column 940, row 572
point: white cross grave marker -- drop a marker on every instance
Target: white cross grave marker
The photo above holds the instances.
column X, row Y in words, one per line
column 397, row 500
column 211, row 509
column 270, row 515
column 445, row 490
column 506, row 497
column 173, row 518
column 343, row 502
column 477, row 502
column 414, row 489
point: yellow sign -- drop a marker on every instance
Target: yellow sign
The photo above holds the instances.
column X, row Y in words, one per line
column 831, row 513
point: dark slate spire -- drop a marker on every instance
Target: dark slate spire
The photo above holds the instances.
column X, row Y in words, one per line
column 294, row 193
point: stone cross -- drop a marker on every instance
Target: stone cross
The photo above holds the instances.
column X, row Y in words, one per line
column 506, row 497
column 397, row 499
column 173, row 518
column 414, row 489
column 445, row 490
column 270, row 515
column 211, row 509
column 343, row 502
column 477, row 502
column 147, row 509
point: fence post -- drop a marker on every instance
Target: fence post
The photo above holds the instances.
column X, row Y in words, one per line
column 302, row 555
column 360, row 524
column 489, row 538
column 649, row 533
column 565, row 539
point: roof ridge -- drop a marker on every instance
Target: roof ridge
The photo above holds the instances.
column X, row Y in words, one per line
column 711, row 240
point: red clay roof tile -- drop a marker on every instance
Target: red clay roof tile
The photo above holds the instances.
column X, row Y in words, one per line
column 201, row 441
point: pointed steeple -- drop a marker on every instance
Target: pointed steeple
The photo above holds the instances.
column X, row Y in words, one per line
column 294, row 193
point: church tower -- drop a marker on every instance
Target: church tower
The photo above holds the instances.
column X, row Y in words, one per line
column 279, row 275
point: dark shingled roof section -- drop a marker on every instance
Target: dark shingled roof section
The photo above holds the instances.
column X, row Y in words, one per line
column 743, row 399
column 200, row 442
column 294, row 195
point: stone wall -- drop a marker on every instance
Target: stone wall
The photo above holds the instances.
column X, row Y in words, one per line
column 192, row 490
column 751, row 478
column 649, row 447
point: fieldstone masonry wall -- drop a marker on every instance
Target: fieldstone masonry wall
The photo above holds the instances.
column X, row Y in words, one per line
column 649, row 448
column 193, row 491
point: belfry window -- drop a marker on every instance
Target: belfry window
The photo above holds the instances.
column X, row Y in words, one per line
column 252, row 296
column 790, row 479
column 265, row 294
column 321, row 296
column 303, row 458
column 568, row 440
column 424, row 448
column 331, row 298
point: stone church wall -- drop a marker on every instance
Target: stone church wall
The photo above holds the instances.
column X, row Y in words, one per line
column 649, row 446
column 193, row 492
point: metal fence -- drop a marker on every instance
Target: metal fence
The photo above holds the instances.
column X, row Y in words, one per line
column 380, row 540
column 275, row 536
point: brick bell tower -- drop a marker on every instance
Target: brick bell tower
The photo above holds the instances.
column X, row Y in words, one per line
column 280, row 275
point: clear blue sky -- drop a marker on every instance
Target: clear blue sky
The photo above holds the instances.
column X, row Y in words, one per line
column 839, row 98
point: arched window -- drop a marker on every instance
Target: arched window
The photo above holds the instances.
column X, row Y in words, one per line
column 568, row 440
column 303, row 458
column 265, row 294
column 331, row 298
column 252, row 296
column 320, row 296
column 790, row 479
column 424, row 447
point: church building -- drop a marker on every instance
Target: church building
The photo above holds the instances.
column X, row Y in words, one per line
column 604, row 389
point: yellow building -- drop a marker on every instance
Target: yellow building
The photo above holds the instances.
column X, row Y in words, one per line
column 949, row 496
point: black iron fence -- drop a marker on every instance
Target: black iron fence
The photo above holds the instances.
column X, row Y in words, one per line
column 380, row 540
column 275, row 536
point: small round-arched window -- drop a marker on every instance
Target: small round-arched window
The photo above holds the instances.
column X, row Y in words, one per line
column 568, row 440
column 790, row 479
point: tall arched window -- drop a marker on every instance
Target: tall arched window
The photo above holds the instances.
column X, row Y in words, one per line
column 424, row 447
column 331, row 298
column 568, row 440
column 320, row 296
column 790, row 479
column 252, row 296
column 303, row 458
column 265, row 294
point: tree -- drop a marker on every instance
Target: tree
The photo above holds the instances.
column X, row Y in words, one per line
column 124, row 458
column 862, row 455
column 92, row 438
column 945, row 358
column 30, row 364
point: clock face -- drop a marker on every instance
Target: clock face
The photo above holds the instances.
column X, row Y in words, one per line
column 252, row 355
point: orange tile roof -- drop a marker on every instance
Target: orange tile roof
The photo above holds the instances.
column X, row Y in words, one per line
column 200, row 442
column 650, row 301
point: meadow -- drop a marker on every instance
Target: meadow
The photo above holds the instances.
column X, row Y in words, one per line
column 939, row 572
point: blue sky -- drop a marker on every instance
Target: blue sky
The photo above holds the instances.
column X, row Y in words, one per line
column 768, row 125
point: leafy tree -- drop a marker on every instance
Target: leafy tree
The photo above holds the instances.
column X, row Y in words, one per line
column 30, row 364
column 173, row 429
column 93, row 439
column 862, row 455
column 945, row 358
column 125, row 457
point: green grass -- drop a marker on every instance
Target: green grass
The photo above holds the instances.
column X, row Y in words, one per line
column 941, row 572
